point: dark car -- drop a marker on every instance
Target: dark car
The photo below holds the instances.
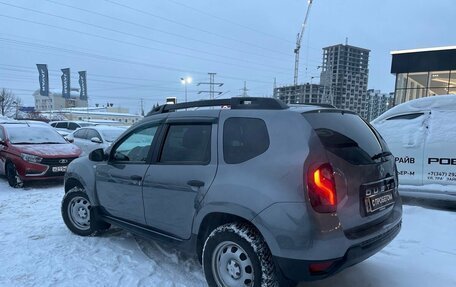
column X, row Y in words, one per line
column 261, row 192
column 33, row 152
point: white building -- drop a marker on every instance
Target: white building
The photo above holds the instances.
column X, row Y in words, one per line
column 55, row 101
column 378, row 103
column 107, row 115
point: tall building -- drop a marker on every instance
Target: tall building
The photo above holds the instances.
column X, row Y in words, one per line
column 55, row 101
column 344, row 77
column 378, row 103
column 424, row 72
column 307, row 93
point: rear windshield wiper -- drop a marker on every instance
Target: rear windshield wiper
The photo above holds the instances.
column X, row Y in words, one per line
column 380, row 155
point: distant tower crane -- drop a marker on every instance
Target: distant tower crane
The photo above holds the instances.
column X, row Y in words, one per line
column 298, row 43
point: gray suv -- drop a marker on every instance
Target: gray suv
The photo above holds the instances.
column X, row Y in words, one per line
column 263, row 193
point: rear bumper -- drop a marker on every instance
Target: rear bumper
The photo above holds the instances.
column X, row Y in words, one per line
column 299, row 270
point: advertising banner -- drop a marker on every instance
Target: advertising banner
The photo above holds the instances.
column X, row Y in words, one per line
column 43, row 79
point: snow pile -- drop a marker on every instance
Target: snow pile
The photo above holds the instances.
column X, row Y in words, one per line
column 38, row 250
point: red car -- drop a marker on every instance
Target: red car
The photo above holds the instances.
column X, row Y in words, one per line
column 33, row 152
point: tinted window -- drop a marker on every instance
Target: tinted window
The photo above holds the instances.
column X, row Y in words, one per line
column 73, row 126
column 53, row 125
column 189, row 144
column 135, row 147
column 62, row 125
column 91, row 133
column 346, row 135
column 406, row 117
column 81, row 134
column 244, row 139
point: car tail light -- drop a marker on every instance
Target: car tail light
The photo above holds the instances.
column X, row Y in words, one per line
column 322, row 189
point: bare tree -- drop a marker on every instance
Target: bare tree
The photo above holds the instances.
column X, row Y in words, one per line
column 9, row 103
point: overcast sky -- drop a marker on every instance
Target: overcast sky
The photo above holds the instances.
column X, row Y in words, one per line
column 140, row 49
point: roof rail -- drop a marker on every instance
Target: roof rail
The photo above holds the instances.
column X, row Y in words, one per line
column 235, row 103
column 314, row 104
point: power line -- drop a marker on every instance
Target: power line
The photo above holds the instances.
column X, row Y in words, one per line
column 135, row 36
column 113, row 59
column 159, row 30
column 228, row 21
column 192, row 27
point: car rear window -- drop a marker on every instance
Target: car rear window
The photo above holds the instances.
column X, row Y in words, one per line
column 346, row 135
column 244, row 139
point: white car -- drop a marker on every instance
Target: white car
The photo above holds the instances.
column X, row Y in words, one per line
column 91, row 138
column 70, row 126
column 421, row 134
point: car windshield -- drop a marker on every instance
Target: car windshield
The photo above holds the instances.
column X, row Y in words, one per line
column 33, row 135
column 111, row 134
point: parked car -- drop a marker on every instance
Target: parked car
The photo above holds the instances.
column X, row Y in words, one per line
column 261, row 192
column 90, row 138
column 70, row 126
column 33, row 152
column 422, row 136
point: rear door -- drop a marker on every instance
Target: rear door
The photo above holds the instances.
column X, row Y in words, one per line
column 182, row 173
column 405, row 135
column 440, row 149
column 119, row 181
column 363, row 168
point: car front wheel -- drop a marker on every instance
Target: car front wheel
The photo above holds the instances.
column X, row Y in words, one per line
column 235, row 254
column 12, row 176
column 78, row 215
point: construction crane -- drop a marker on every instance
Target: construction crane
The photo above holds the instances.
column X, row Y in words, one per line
column 298, row 43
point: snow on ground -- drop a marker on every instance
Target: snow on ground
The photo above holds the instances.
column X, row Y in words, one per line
column 38, row 250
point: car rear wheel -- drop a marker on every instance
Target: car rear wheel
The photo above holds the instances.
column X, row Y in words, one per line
column 78, row 215
column 12, row 176
column 236, row 255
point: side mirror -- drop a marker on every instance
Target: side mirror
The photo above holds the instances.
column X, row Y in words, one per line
column 69, row 138
column 97, row 155
column 2, row 142
column 96, row 140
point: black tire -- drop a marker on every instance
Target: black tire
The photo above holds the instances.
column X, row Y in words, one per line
column 224, row 250
column 12, row 176
column 78, row 215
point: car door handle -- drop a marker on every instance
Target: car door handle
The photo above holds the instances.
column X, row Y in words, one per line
column 136, row 177
column 195, row 183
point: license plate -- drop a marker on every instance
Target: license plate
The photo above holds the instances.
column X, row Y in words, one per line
column 59, row 169
column 379, row 201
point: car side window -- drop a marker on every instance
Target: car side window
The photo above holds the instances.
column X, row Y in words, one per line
column 53, row 125
column 244, row 139
column 187, row 144
column 135, row 147
column 61, row 125
column 91, row 133
column 80, row 134
column 406, row 116
column 73, row 126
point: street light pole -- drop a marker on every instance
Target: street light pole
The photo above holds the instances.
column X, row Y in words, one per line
column 185, row 82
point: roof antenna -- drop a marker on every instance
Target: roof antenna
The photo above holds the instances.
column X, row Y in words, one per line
column 346, row 41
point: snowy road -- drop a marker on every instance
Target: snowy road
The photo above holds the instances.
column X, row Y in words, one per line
column 38, row 250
